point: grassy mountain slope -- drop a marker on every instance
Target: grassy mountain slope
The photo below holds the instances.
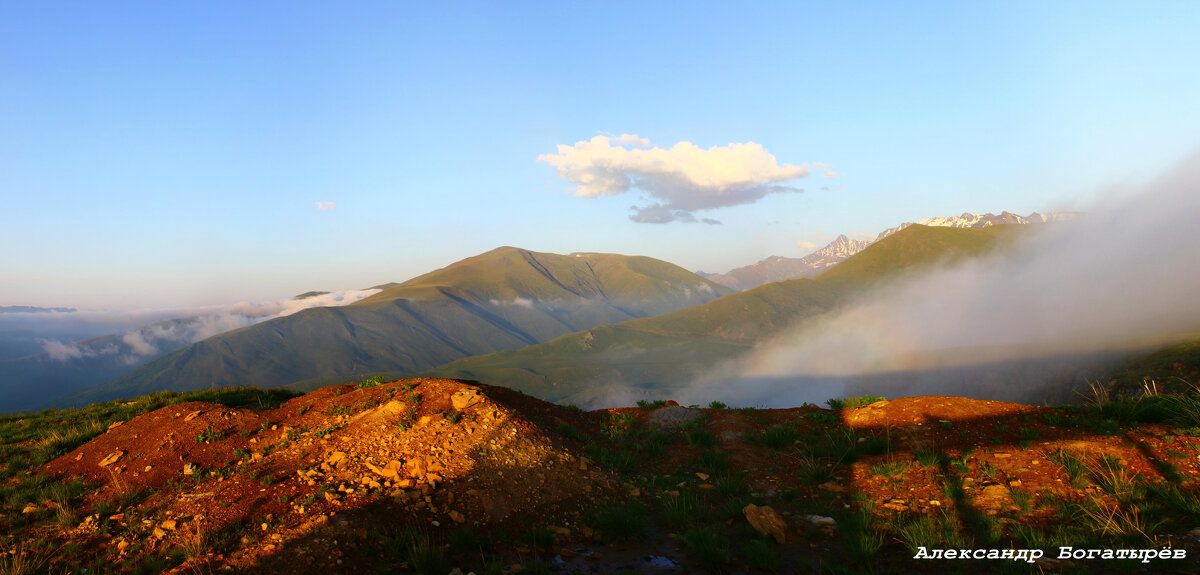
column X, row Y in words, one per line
column 503, row 299
column 660, row 351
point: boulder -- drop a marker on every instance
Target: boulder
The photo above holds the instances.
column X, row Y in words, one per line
column 466, row 398
column 766, row 521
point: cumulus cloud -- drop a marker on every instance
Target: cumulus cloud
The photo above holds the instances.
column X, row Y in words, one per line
column 326, row 206
column 679, row 180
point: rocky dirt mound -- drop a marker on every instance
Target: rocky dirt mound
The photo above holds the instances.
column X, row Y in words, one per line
column 930, row 409
column 431, row 452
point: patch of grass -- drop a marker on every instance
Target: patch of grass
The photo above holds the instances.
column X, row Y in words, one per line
column 1124, row 523
column 416, row 548
column 706, row 546
column 822, row 417
column 684, row 509
column 757, row 554
column 619, row 521
column 208, row 435
column 731, row 486
column 1074, row 467
column 322, row 433
column 1022, row 499
column 853, row 402
column 701, row 438
column 372, row 381
column 621, row 425
column 776, row 437
column 714, row 462
column 1114, row 478
column 1026, row 436
column 815, row 471
column 717, row 405
column 890, row 468
column 620, row 460
column 929, row 458
column 570, row 431
column 645, row 404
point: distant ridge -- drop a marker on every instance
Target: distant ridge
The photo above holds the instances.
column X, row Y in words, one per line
column 777, row 268
column 967, row 220
column 503, row 299
column 33, row 309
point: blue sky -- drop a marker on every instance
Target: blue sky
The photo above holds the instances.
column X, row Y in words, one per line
column 153, row 155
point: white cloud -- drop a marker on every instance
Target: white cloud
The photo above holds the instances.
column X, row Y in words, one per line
column 197, row 324
column 806, row 246
column 326, row 206
column 678, row 181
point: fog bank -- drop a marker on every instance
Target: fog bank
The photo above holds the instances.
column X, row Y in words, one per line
column 1122, row 276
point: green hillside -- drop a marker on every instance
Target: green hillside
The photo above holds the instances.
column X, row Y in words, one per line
column 503, row 299
column 663, row 351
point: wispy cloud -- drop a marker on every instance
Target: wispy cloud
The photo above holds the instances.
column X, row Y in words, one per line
column 679, row 180
column 806, row 246
column 326, row 206
column 826, row 170
column 142, row 343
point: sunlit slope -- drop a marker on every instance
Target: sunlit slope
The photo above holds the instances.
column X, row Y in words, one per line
column 503, row 299
column 666, row 350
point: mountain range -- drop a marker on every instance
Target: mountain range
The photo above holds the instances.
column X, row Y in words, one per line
column 503, row 299
column 665, row 352
column 778, row 268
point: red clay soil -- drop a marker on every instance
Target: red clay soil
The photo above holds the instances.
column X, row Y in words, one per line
column 307, row 487
column 208, row 468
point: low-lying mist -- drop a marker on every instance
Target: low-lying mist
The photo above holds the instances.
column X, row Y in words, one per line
column 1068, row 302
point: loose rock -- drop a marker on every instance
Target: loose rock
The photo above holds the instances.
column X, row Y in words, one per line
column 766, row 521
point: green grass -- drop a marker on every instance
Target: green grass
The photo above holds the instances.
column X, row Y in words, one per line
column 853, row 402
column 683, row 509
column 647, row 405
column 707, row 547
column 776, row 437
column 619, row 521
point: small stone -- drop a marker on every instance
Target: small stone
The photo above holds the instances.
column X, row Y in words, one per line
column 193, row 415
column 766, row 521
column 821, row 521
column 935, row 503
column 30, row 508
column 189, row 468
column 111, row 458
column 702, row 476
column 457, row 517
column 115, row 425
column 1014, row 483
column 1003, row 455
column 159, row 533
column 169, row 525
